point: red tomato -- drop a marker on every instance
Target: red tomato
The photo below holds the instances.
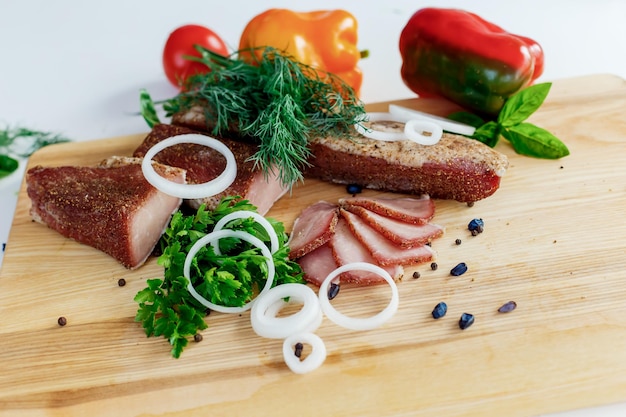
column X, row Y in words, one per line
column 181, row 43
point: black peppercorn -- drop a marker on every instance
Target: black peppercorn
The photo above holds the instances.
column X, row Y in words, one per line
column 354, row 189
column 416, row 275
column 433, row 266
column 121, row 282
column 62, row 321
column 298, row 349
column 458, row 241
column 197, row 337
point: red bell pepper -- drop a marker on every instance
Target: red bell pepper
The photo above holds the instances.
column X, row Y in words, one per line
column 470, row 61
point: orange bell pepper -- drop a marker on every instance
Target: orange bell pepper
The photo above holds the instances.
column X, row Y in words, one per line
column 325, row 40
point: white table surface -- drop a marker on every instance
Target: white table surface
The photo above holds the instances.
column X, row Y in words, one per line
column 75, row 67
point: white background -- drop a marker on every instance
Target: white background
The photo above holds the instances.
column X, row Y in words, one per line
column 75, row 67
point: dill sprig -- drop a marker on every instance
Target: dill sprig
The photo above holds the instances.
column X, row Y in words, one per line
column 271, row 99
column 19, row 142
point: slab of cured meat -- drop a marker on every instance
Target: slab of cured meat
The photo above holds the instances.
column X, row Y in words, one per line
column 110, row 207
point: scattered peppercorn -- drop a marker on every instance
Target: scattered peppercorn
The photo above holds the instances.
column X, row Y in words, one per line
column 416, row 275
column 434, row 266
column 197, row 337
column 4, row 246
column 458, row 241
column 440, row 310
column 333, row 290
column 474, row 233
column 460, row 269
column 121, row 282
column 470, row 204
column 354, row 189
column 62, row 321
column 466, row 320
column 298, row 349
column 507, row 307
column 477, row 225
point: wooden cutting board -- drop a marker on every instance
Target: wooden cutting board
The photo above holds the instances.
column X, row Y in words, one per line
column 554, row 242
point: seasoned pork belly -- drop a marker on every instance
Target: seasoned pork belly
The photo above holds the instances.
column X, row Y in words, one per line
column 318, row 264
column 408, row 210
column 110, row 207
column 456, row 168
column 313, row 228
column 384, row 251
column 204, row 164
column 403, row 234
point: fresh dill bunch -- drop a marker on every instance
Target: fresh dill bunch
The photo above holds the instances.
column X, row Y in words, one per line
column 268, row 98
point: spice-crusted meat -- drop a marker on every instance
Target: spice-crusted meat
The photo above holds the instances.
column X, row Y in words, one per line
column 204, row 164
column 384, row 251
column 110, row 207
column 347, row 249
column 403, row 234
column 408, row 210
column 318, row 264
column 456, row 168
column 314, row 227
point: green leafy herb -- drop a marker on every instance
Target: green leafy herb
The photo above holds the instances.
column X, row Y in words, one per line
column 167, row 309
column 526, row 138
column 21, row 143
column 273, row 100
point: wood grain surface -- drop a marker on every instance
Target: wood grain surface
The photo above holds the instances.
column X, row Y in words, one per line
column 554, row 242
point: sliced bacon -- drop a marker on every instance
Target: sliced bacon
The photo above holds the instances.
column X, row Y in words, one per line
column 403, row 234
column 347, row 249
column 384, row 251
column 313, row 228
column 317, row 264
column 409, row 210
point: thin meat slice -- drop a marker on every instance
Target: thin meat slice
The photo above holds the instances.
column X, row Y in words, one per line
column 204, row 164
column 347, row 249
column 317, row 264
column 313, row 228
column 382, row 249
column 110, row 207
column 401, row 233
column 410, row 210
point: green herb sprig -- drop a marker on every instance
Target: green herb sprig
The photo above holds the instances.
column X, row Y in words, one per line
column 270, row 99
column 526, row 138
column 167, row 309
column 19, row 142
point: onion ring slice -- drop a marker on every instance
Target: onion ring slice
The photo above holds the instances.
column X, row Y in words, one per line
column 379, row 134
column 448, row 125
column 359, row 323
column 190, row 191
column 210, row 239
column 244, row 214
column 414, row 128
column 313, row 360
column 267, row 305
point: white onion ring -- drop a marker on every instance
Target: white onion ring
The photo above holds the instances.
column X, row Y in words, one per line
column 266, row 307
column 209, row 239
column 359, row 323
column 448, row 125
column 312, row 361
column 190, row 191
column 244, row 214
column 379, row 134
column 414, row 128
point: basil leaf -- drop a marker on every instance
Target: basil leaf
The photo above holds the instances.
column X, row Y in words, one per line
column 522, row 104
column 489, row 134
column 8, row 165
column 530, row 140
column 147, row 109
column 467, row 118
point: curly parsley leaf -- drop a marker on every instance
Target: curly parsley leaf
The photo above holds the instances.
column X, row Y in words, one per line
column 167, row 309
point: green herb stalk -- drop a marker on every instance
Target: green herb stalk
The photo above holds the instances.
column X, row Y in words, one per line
column 274, row 100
